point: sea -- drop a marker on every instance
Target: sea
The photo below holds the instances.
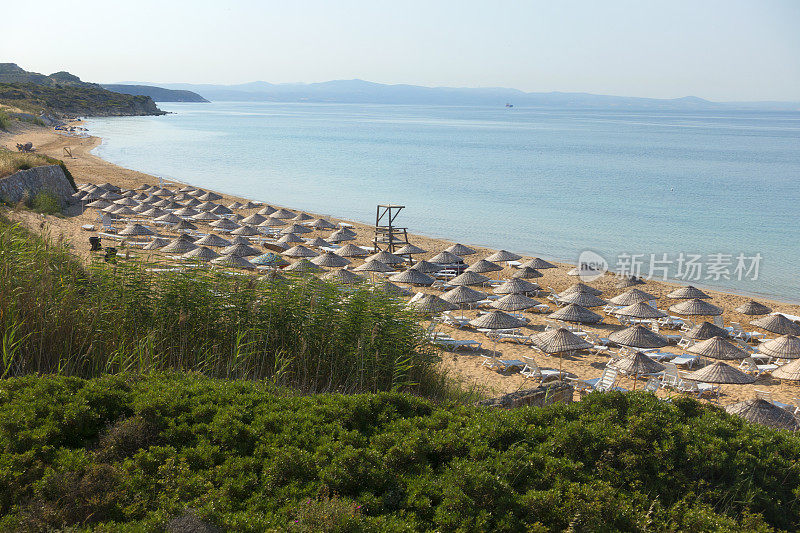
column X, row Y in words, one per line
column 710, row 198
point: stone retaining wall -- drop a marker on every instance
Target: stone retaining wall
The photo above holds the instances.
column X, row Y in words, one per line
column 26, row 184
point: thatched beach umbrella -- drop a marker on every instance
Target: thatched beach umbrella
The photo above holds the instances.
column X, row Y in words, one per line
column 386, row 258
column 209, row 197
column 638, row 337
column 205, row 216
column 290, row 238
column 641, row 311
column 267, row 210
column 695, row 307
column 628, row 281
column 484, row 266
column 330, row 260
column 223, row 224
column 468, row 278
column 762, row 412
column 221, row 210
column 688, row 293
column 516, row 286
column 343, row 276
column 351, row 250
column 777, row 324
column 300, row 251
column 201, row 253
column 180, row 245
column 410, row 249
column 169, row 218
column 583, row 299
column 187, row 212
column 430, row 304
column 783, row 347
column 718, row 348
column 514, row 302
column 284, row 214
column 303, row 266
column 99, row 204
column 155, row 244
column 242, row 250
column 412, row 277
column 319, row 242
column 295, row 228
column 321, row 224
column 632, row 296
column 503, row 255
column 575, row 313
column 580, row 287
column 495, row 320
column 374, row 266
column 461, row 296
column 255, row 219
column 234, row 261
column 153, row 212
column 753, row 308
column 538, row 264
column 302, row 217
column 271, row 223
column 460, row 250
column 527, row 273
column 340, row 236
column 239, row 239
column 136, row 230
column 127, row 201
column 194, row 202
column 392, row 289
column 244, row 231
column 110, row 196
column 722, row 374
column 212, row 240
column 560, row 341
column 123, row 211
column 426, row 267
column 705, row 331
column 788, row 372
column 636, row 364
column 235, row 205
column 446, row 258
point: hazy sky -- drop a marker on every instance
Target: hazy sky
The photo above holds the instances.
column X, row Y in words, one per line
column 721, row 50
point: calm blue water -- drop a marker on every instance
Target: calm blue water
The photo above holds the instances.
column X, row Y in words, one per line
column 544, row 182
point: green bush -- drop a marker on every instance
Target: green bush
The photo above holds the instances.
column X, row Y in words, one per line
column 45, row 202
column 5, row 121
column 137, row 450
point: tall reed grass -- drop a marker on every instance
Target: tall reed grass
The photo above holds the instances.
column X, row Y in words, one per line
column 59, row 316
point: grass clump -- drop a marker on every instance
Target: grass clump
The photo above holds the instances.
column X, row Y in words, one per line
column 45, row 202
column 129, row 452
column 5, row 121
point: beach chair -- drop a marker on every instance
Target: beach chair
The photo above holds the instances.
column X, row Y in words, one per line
column 698, row 389
column 599, row 344
column 685, row 342
column 671, row 377
column 671, row 337
column 653, row 384
column 502, row 365
column 453, row 344
column 750, row 366
column 747, row 336
column 685, row 359
column 532, row 370
column 605, row 382
column 519, row 338
column 767, row 397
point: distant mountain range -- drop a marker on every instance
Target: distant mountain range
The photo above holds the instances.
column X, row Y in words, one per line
column 158, row 94
column 360, row 91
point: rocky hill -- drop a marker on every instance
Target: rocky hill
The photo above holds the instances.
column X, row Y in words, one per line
column 62, row 93
column 158, row 94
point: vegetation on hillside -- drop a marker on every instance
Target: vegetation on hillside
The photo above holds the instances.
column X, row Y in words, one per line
column 137, row 450
column 60, row 316
column 11, row 162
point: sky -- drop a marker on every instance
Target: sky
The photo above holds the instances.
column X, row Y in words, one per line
column 721, row 50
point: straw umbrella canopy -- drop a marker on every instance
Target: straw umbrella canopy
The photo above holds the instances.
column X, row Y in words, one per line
column 514, row 302
column 413, row 277
column 392, row 289
column 244, row 231
column 110, row 196
column 718, row 348
column 386, row 258
column 460, row 250
column 153, row 212
column 426, row 267
column 586, row 270
column 527, row 273
column 283, row 214
column 300, row 251
column 212, row 240
column 503, row 255
column 463, row 295
column 330, row 260
column 194, row 202
column 99, row 204
column 374, row 266
column 637, row 364
column 250, row 205
column 155, row 244
column 238, row 239
column 516, row 286
column 235, row 205
column 266, row 210
column 340, row 236
column 695, row 307
column 290, row 238
column 268, row 259
column 496, row 319
column 789, row 371
column 759, row 411
column 583, row 299
column 351, row 250
column 126, row 201
column 201, row 253
column 641, row 310
column 255, row 219
column 484, row 266
column 783, row 347
column 632, row 296
column 302, row 217
column 242, row 250
column 169, row 218
column 303, row 266
column 638, row 337
column 580, row 287
column 628, row 281
column 688, row 293
column 234, row 261
column 319, row 242
column 468, row 278
column 136, row 230
column 538, row 264
column 224, row 224
column 777, row 324
column 704, row 331
column 721, row 373
column 295, row 228
column 410, row 249
column 560, row 341
column 209, row 197
column 180, row 245
column 343, row 276
column 430, row 304
column 271, row 223
column 753, row 308
column 124, row 211
column 320, row 224
column 186, row 212
column 575, row 313
column 205, row 216
column 221, row 210
column 446, row 258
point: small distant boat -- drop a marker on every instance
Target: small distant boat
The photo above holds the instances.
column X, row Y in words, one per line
column 509, row 105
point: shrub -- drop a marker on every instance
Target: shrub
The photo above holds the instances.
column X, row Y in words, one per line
column 45, row 202
column 5, row 121
column 139, row 450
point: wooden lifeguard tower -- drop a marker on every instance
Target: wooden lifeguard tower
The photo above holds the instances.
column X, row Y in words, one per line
column 388, row 237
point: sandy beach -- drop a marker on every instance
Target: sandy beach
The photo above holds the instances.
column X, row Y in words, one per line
column 465, row 366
